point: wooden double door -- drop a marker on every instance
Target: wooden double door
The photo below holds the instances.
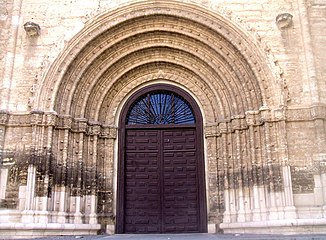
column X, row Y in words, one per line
column 163, row 182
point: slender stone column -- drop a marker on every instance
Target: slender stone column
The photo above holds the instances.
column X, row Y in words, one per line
column 227, row 213
column 212, row 177
column 78, row 215
column 94, row 131
column 28, row 213
column 261, row 164
column 256, row 203
column 62, row 190
column 232, row 175
column 273, row 211
column 289, row 208
column 241, row 195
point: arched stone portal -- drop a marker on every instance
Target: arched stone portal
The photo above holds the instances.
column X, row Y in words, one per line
column 220, row 65
column 161, row 174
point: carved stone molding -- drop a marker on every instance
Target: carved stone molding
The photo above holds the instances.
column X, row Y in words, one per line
column 306, row 114
column 237, row 122
column 200, row 25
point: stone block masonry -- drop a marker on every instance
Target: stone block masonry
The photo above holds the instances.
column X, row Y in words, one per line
column 259, row 84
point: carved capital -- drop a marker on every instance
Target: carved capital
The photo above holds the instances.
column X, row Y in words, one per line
column 109, row 132
column 265, row 114
column 212, row 131
column 37, row 117
column 64, row 122
column 113, row 133
column 94, row 128
column 238, row 123
column 279, row 114
column 50, row 118
column 4, row 116
column 80, row 125
column 253, row 118
column 223, row 127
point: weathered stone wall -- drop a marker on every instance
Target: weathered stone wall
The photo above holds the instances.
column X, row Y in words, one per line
column 6, row 14
column 316, row 13
column 260, row 85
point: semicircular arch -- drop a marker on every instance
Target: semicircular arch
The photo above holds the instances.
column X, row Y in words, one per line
column 83, row 58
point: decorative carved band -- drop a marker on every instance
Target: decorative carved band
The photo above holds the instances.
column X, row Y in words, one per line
column 51, row 119
column 82, row 125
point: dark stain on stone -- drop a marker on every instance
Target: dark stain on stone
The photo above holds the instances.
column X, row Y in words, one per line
column 79, row 180
column 249, row 176
column 303, row 179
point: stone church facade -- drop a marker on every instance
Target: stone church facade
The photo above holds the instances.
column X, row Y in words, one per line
column 162, row 116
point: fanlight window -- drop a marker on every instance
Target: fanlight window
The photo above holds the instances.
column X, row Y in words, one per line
column 160, row 107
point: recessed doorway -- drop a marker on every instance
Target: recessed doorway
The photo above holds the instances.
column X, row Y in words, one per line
column 161, row 176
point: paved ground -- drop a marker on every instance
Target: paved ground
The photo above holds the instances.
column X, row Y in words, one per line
column 190, row 237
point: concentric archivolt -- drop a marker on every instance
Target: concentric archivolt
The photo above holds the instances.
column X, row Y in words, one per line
column 195, row 48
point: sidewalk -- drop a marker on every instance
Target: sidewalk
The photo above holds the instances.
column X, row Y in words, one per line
column 203, row 236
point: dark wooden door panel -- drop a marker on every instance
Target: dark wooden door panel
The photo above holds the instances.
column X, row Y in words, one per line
column 161, row 181
column 142, row 186
column 180, row 209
